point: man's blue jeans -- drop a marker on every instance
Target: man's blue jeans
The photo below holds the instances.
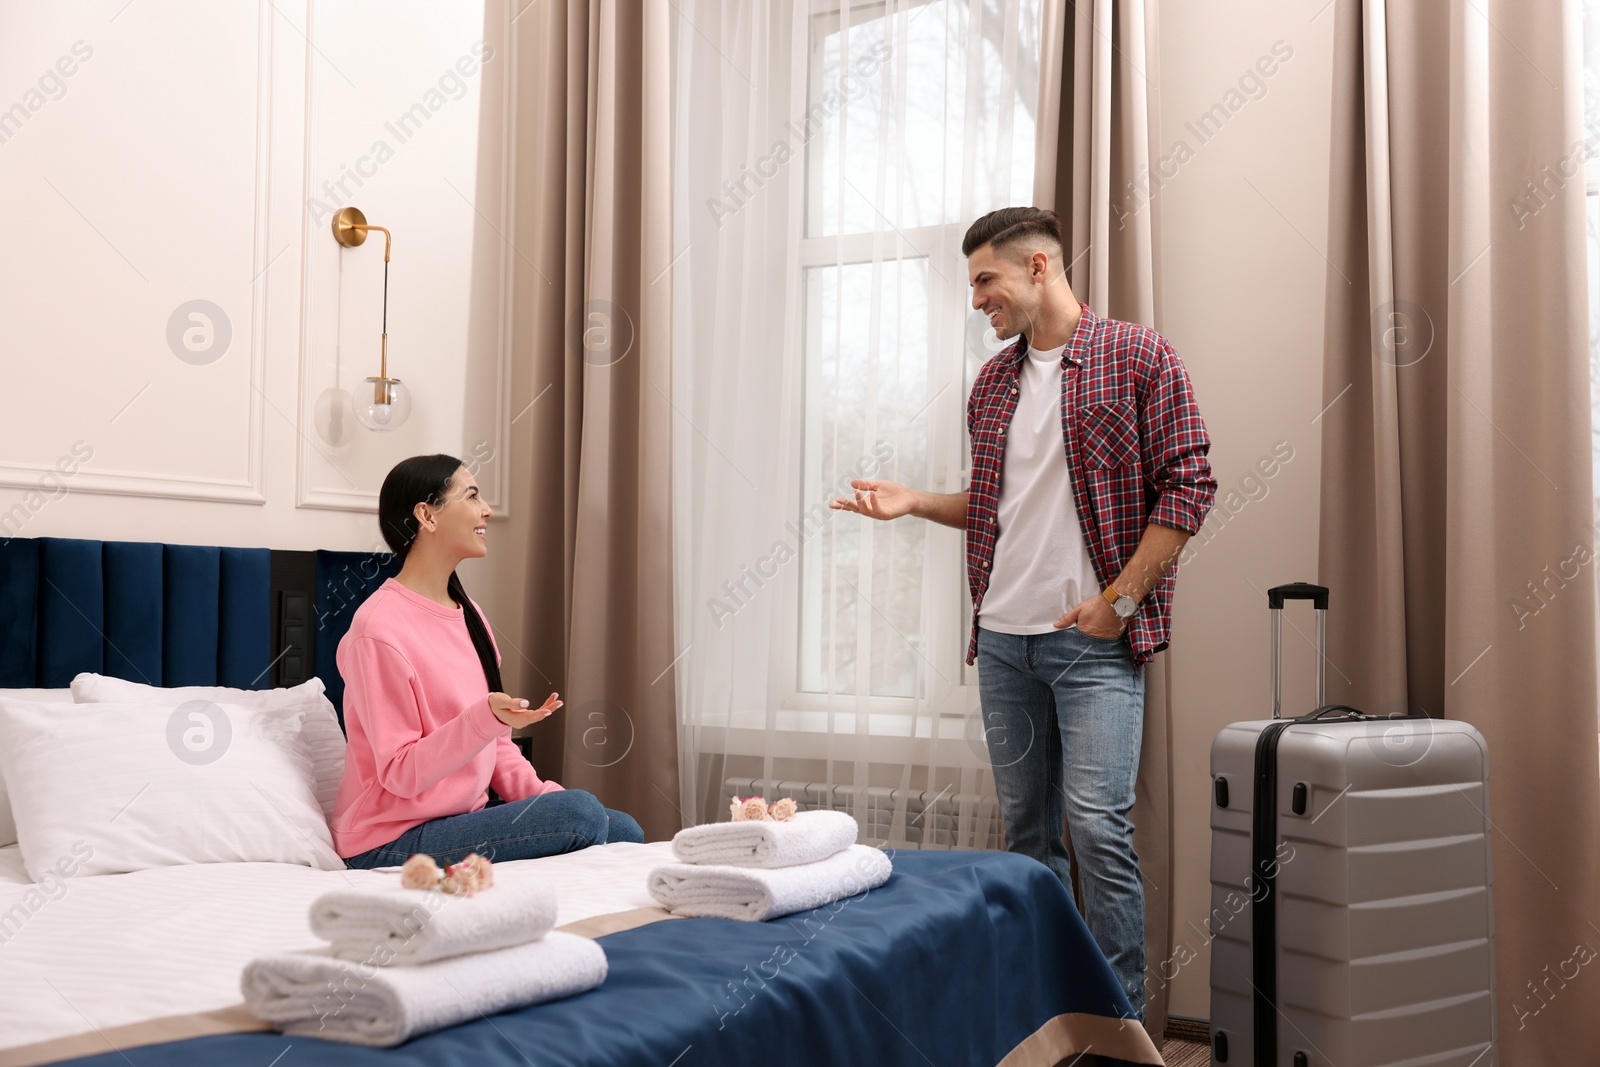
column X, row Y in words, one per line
column 1063, row 714
column 544, row 825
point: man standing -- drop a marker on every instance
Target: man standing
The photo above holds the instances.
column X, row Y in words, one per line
column 1089, row 473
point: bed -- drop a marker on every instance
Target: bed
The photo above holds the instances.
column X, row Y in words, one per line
column 960, row 958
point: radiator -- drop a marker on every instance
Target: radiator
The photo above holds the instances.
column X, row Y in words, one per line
column 943, row 820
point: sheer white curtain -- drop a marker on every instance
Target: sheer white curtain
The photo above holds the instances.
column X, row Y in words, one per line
column 828, row 157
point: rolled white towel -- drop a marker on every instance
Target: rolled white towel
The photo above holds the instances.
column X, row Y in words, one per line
column 807, row 838
column 755, row 894
column 315, row 995
column 405, row 926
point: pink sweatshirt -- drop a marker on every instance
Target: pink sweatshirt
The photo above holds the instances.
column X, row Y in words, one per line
column 423, row 743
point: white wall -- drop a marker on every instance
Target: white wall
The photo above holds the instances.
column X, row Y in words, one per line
column 1244, row 229
column 180, row 152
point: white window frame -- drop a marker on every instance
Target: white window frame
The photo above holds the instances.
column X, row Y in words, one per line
column 952, row 687
column 948, row 611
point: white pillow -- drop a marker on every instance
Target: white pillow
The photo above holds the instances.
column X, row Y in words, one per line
column 160, row 784
column 8, row 827
column 322, row 733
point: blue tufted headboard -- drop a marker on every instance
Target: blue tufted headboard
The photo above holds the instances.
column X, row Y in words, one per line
column 173, row 615
column 160, row 614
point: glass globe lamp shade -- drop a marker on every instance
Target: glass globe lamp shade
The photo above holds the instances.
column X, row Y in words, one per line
column 384, row 405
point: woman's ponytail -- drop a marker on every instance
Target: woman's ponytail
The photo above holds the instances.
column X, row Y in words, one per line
column 480, row 635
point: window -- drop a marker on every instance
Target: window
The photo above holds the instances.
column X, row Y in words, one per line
column 919, row 118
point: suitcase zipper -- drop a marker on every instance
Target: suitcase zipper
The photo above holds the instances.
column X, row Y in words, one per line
column 1263, row 902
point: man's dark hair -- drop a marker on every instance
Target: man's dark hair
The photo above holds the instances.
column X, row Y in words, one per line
column 1008, row 225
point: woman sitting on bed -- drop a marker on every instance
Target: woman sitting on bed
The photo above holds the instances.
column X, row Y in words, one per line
column 428, row 726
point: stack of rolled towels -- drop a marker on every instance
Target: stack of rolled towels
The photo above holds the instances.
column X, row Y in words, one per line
column 402, row 962
column 758, row 869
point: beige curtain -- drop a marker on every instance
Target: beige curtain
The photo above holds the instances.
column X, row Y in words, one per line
column 593, row 327
column 1097, row 133
column 1457, row 495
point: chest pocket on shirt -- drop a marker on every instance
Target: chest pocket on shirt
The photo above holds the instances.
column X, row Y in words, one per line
column 1108, row 435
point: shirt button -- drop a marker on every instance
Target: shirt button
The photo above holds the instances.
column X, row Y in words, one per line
column 1013, row 390
column 986, row 564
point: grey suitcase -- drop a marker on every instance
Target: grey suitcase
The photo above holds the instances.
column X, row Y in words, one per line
column 1351, row 914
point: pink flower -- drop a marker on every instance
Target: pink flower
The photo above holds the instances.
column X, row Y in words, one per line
column 783, row 810
column 469, row 876
column 420, row 872
column 736, row 810
column 755, row 810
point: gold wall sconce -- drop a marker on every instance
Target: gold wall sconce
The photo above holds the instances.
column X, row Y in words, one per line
column 388, row 403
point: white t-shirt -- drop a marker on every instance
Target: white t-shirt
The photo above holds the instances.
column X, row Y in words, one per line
column 1041, row 565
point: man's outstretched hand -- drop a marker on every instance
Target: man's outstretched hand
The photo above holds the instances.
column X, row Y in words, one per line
column 877, row 500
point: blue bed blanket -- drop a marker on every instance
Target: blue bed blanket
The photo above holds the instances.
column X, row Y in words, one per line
column 961, row 959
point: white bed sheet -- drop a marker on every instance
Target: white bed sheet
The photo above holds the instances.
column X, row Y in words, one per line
column 113, row 950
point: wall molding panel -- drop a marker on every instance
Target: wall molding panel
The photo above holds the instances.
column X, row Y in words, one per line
column 175, row 484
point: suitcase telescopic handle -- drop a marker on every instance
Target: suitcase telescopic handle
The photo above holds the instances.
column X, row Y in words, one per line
column 1318, row 595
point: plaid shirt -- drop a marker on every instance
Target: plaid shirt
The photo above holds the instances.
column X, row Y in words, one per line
column 1136, row 453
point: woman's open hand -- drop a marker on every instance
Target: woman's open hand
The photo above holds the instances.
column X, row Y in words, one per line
column 515, row 713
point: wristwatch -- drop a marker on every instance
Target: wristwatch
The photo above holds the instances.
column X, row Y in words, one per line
column 1121, row 603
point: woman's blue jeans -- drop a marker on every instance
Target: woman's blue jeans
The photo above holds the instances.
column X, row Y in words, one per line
column 544, row 825
column 1063, row 714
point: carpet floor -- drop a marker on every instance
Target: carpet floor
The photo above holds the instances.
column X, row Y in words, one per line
column 1186, row 1053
